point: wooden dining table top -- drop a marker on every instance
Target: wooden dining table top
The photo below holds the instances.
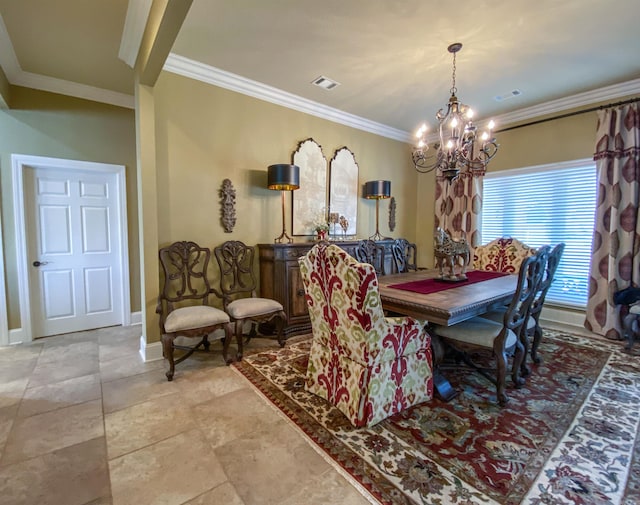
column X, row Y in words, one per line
column 459, row 302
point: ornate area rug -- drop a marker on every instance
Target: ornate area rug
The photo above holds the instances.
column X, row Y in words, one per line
column 569, row 436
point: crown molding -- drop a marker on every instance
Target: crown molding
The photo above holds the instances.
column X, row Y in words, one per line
column 134, row 25
column 8, row 60
column 211, row 75
column 17, row 77
column 562, row 104
column 68, row 88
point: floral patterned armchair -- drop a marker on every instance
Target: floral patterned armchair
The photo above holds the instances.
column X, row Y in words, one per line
column 368, row 365
column 504, row 254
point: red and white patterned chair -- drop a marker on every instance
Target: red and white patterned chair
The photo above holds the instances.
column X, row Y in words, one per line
column 369, row 366
column 504, row 254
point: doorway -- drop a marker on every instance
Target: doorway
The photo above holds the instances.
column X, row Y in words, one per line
column 72, row 245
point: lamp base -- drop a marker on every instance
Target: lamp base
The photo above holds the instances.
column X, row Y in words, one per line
column 377, row 236
column 283, row 235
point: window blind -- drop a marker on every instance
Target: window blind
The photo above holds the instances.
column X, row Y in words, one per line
column 547, row 205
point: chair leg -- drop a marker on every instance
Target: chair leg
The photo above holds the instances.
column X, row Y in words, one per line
column 537, row 338
column 501, row 372
column 524, row 340
column 282, row 318
column 167, row 352
column 518, row 362
column 239, row 326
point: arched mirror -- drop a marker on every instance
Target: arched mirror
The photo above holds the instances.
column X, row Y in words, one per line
column 310, row 200
column 343, row 193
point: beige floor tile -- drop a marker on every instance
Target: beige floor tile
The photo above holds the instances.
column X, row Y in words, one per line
column 7, row 416
column 60, row 394
column 200, row 386
column 49, row 372
column 11, row 392
column 13, row 353
column 118, row 349
column 37, row 435
column 118, row 334
column 170, row 472
column 70, row 353
column 146, row 423
column 19, row 369
column 128, row 391
column 75, row 475
column 233, row 415
column 127, row 366
column 323, row 489
column 225, row 494
column 266, row 465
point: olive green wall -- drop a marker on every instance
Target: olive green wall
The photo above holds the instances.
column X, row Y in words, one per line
column 57, row 126
column 205, row 134
column 553, row 141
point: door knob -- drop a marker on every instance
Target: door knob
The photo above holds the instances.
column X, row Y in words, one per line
column 39, row 263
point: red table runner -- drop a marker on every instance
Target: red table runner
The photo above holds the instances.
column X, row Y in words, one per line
column 427, row 286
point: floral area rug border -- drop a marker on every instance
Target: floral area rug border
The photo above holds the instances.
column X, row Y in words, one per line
column 589, row 465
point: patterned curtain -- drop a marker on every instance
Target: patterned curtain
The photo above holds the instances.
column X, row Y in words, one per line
column 458, row 206
column 615, row 260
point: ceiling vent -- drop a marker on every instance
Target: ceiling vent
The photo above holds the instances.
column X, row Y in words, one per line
column 512, row 94
column 325, row 82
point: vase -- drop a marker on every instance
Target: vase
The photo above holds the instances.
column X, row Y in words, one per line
column 321, row 234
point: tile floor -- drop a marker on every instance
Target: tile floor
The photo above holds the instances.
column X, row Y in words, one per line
column 83, row 420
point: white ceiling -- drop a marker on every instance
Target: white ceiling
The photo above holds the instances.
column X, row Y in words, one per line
column 389, row 56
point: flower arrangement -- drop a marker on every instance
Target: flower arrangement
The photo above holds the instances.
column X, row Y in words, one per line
column 319, row 223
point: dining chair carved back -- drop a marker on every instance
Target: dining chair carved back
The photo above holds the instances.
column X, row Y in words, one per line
column 238, row 290
column 534, row 330
column 184, row 306
column 501, row 338
column 369, row 366
column 369, row 251
column 404, row 255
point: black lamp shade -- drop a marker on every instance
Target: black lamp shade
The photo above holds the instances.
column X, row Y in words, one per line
column 377, row 189
column 283, row 177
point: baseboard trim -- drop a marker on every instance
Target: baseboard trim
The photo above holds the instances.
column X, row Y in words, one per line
column 150, row 352
column 572, row 320
column 136, row 318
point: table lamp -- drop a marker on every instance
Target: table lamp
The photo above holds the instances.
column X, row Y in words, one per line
column 283, row 178
column 377, row 190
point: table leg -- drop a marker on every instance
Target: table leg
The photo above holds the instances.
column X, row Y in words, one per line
column 443, row 389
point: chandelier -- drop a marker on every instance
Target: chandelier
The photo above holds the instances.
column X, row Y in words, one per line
column 459, row 146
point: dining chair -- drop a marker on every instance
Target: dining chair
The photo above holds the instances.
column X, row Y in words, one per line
column 499, row 338
column 238, row 290
column 184, row 306
column 404, row 255
column 369, row 366
column 369, row 251
column 533, row 333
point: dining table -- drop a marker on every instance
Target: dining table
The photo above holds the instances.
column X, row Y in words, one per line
column 425, row 295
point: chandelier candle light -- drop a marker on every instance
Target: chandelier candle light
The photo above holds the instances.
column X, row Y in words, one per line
column 458, row 147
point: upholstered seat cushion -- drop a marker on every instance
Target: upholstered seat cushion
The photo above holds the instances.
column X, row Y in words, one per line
column 252, row 307
column 476, row 331
column 198, row 316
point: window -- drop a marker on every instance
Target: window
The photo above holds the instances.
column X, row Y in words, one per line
column 546, row 205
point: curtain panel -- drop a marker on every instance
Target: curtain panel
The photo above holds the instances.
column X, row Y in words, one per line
column 615, row 261
column 458, row 206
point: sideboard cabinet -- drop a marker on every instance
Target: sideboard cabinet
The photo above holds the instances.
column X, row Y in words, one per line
column 280, row 278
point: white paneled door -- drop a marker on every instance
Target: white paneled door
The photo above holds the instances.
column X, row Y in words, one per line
column 73, row 249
